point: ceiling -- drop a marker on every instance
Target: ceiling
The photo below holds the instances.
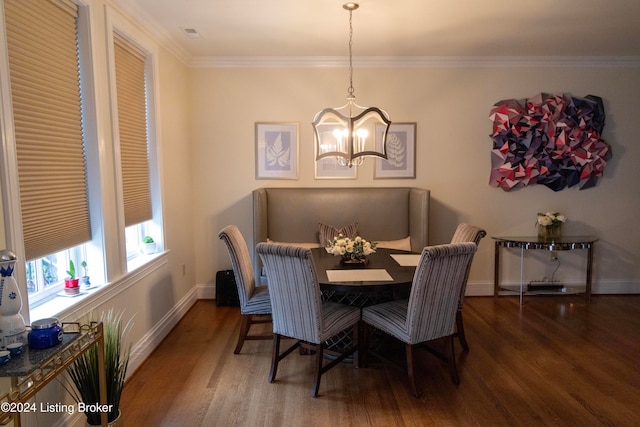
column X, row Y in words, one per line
column 394, row 28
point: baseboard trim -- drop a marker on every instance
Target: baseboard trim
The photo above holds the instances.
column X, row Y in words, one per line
column 207, row 291
column 476, row 289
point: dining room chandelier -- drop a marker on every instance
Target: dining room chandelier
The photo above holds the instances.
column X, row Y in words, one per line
column 351, row 132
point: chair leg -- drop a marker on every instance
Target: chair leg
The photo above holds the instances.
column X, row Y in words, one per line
column 275, row 357
column 318, row 374
column 410, row 369
column 320, row 369
column 245, row 323
column 363, row 350
column 460, row 331
column 452, row 361
column 357, row 342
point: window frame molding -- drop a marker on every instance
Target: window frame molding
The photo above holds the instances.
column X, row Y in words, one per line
column 9, row 171
column 93, row 132
column 108, row 241
column 115, row 22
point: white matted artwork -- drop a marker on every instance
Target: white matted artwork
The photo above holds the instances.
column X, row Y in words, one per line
column 328, row 168
column 401, row 152
column 276, row 151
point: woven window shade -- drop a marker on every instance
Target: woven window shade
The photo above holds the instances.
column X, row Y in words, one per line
column 132, row 119
column 45, row 89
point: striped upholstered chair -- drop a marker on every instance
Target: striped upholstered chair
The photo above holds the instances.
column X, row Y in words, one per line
column 465, row 233
column 298, row 310
column 430, row 311
column 254, row 300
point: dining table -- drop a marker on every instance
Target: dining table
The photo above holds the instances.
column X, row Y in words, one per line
column 387, row 275
column 385, row 270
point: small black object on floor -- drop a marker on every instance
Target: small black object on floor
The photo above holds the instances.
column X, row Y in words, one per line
column 226, row 290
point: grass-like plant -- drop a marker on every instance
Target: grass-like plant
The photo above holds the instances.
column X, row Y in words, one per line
column 84, row 370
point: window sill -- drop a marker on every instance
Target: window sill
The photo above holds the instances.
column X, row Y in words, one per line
column 58, row 304
column 69, row 308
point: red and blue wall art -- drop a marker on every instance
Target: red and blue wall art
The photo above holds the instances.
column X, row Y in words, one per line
column 553, row 140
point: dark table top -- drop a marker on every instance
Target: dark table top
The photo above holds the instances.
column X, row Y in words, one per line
column 381, row 259
column 31, row 359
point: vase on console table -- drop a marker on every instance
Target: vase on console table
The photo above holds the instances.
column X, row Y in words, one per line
column 550, row 232
column 550, row 225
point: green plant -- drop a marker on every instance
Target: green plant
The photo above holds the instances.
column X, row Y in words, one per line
column 85, row 269
column 72, row 270
column 84, row 370
column 147, row 239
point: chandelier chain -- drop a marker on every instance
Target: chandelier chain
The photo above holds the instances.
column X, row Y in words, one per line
column 351, row 90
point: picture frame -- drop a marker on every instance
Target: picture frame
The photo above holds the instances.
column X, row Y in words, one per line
column 401, row 152
column 328, row 168
column 277, row 150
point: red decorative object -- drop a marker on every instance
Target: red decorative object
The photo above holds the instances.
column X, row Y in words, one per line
column 71, row 286
column 553, row 140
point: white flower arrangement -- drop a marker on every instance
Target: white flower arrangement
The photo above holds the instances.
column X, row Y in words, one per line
column 550, row 219
column 350, row 248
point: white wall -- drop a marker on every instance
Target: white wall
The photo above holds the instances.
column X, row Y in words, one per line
column 451, row 108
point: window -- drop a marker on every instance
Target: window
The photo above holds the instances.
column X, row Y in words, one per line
column 44, row 52
column 45, row 275
column 61, row 202
column 134, row 113
column 45, row 79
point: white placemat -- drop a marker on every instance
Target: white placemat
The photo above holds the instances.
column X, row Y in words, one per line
column 407, row 260
column 359, row 275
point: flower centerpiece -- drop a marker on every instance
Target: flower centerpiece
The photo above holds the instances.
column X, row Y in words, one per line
column 353, row 250
column 550, row 225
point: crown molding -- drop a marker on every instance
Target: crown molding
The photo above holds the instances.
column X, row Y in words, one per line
column 415, row 62
column 151, row 28
column 165, row 40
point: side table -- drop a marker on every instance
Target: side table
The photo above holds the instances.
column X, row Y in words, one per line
column 33, row 369
column 564, row 243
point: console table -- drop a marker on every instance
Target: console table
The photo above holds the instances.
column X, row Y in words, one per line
column 33, row 369
column 564, row 243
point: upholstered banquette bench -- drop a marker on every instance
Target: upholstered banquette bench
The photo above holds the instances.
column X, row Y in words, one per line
column 395, row 217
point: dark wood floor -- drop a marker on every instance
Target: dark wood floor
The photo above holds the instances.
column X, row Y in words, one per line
column 556, row 361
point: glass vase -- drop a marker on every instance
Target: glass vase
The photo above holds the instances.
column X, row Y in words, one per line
column 550, row 232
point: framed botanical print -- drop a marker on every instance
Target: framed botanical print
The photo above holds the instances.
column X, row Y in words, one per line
column 401, row 152
column 276, row 151
column 328, row 168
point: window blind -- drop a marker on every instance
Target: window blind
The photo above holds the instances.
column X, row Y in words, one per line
column 132, row 126
column 45, row 90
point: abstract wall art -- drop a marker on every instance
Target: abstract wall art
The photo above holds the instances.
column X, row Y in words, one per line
column 549, row 139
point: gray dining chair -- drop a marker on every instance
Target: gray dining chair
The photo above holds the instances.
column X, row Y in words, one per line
column 430, row 311
column 254, row 300
column 298, row 310
column 465, row 233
